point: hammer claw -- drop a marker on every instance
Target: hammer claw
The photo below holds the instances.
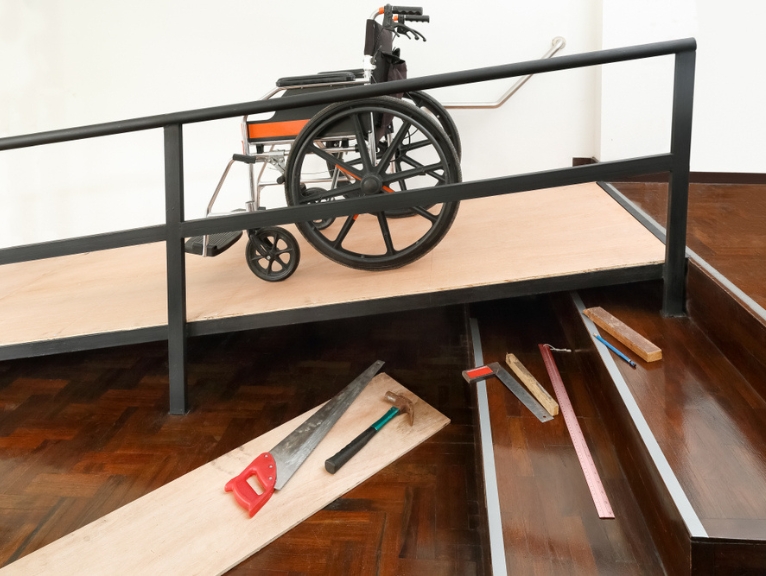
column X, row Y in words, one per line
column 403, row 403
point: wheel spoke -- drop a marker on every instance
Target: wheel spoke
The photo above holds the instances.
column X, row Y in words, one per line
column 284, row 251
column 344, row 231
column 334, row 160
column 414, row 163
column 395, row 143
column 364, row 152
column 383, row 221
column 282, row 263
column 414, row 146
column 402, row 184
column 419, row 171
column 425, row 213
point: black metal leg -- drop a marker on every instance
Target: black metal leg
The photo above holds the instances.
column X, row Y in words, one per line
column 674, row 295
column 176, row 267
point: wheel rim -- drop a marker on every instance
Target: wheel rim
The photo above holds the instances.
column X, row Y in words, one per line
column 413, row 154
column 429, row 104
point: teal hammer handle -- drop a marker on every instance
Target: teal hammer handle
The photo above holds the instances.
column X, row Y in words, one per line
column 336, row 462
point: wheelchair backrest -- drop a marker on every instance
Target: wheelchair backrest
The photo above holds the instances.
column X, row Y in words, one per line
column 378, row 44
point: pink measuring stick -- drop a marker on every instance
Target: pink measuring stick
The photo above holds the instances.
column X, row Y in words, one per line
column 592, row 478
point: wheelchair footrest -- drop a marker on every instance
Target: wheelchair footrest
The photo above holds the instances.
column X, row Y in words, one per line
column 216, row 243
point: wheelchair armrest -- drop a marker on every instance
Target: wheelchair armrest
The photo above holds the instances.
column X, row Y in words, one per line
column 357, row 72
column 342, row 76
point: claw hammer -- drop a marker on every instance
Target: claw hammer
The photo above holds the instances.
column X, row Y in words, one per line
column 401, row 405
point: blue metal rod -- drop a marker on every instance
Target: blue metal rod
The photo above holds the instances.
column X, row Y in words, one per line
column 615, row 350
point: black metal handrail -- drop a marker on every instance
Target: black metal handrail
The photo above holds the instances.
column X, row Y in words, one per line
column 354, row 93
column 175, row 229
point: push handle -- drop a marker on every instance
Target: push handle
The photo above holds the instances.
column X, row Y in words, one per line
column 404, row 19
column 407, row 10
column 334, row 463
column 264, row 469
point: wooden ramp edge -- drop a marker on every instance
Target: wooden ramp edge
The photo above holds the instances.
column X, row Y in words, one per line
column 494, row 243
column 192, row 526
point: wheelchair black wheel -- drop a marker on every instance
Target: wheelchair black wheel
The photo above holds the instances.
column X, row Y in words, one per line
column 431, row 105
column 417, row 154
column 272, row 253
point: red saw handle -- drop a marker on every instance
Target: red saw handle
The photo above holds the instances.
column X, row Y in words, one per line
column 265, row 470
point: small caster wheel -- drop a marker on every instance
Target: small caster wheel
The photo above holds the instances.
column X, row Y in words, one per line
column 272, row 253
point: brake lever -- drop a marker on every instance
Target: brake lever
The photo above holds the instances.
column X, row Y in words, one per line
column 400, row 29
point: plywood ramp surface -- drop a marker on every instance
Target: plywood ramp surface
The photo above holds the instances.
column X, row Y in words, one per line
column 191, row 526
column 524, row 236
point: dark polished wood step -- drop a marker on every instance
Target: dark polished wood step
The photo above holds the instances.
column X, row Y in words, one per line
column 550, row 523
column 736, row 329
column 709, row 422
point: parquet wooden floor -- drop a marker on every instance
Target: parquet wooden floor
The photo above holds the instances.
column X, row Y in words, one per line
column 84, row 433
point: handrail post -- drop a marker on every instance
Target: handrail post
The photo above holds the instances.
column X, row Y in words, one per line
column 674, row 290
column 176, row 267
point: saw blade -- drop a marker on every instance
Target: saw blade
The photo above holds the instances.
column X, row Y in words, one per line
column 291, row 452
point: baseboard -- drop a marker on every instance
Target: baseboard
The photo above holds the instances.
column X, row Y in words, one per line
column 694, row 177
column 705, row 178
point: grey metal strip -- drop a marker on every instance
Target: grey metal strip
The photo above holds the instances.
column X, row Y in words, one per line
column 659, row 231
column 496, row 544
column 690, row 518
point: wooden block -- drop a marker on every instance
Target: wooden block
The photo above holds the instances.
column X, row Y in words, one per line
column 532, row 384
column 624, row 333
column 192, row 526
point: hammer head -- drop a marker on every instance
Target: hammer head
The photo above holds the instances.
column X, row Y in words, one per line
column 404, row 405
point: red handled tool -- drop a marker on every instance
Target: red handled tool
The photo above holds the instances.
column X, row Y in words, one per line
column 274, row 468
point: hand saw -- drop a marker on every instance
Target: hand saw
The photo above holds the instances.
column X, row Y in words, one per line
column 274, row 468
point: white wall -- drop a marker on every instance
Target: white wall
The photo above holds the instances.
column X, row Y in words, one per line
column 70, row 63
column 730, row 98
column 729, row 129
column 636, row 96
column 67, row 63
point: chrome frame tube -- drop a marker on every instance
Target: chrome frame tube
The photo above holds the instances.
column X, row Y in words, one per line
column 556, row 44
column 209, row 209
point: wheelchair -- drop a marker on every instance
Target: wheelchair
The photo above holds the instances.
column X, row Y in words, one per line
column 348, row 150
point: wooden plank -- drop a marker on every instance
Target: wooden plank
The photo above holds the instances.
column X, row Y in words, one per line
column 540, row 393
column 124, row 288
column 192, row 526
column 624, row 333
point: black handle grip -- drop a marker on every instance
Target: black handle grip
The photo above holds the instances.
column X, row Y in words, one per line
column 244, row 158
column 404, row 19
column 407, row 10
column 334, row 463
